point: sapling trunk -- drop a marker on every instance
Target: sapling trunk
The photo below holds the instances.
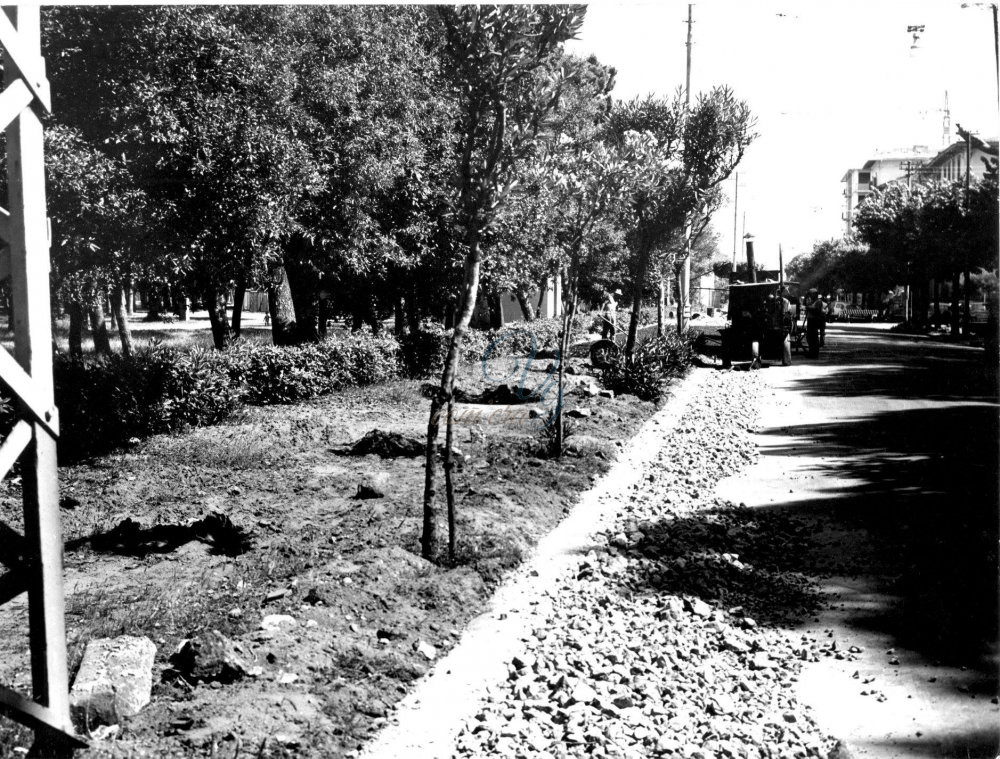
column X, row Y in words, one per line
column 449, row 486
column 564, row 343
column 443, row 397
column 640, row 277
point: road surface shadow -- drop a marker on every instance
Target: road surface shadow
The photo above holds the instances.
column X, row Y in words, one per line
column 907, row 500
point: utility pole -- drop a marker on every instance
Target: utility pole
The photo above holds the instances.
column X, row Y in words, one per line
column 968, row 182
column 736, row 206
column 684, row 276
column 687, row 78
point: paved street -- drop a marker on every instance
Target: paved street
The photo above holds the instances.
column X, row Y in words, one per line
column 890, row 444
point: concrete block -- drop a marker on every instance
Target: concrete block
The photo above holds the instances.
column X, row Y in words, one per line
column 114, row 682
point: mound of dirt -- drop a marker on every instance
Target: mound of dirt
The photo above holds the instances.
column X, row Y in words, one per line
column 388, row 445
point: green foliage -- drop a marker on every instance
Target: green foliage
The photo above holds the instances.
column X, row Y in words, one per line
column 271, row 374
column 655, row 361
column 106, row 401
column 845, row 264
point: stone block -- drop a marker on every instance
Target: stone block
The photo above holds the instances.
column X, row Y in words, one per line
column 114, row 682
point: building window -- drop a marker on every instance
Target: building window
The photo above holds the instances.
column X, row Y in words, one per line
column 864, row 177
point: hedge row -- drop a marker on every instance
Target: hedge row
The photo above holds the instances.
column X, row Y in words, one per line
column 104, row 402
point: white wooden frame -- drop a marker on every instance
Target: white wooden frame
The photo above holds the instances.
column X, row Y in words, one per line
column 34, row 562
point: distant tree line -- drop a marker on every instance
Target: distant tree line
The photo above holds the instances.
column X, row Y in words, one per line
column 924, row 236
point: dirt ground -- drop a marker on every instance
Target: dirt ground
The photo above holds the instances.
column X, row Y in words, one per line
column 348, row 570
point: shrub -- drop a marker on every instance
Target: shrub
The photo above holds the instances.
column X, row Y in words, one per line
column 273, row 374
column 653, row 363
column 277, row 374
column 105, row 401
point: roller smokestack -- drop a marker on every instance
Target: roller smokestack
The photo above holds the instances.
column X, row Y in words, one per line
column 751, row 268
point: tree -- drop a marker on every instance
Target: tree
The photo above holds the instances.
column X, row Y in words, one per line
column 501, row 59
column 715, row 135
column 591, row 183
column 204, row 116
column 933, row 230
column 93, row 206
column 657, row 205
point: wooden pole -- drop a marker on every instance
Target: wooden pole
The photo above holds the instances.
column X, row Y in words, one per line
column 684, row 275
column 29, row 376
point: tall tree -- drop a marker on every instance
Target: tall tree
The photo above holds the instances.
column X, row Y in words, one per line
column 715, row 135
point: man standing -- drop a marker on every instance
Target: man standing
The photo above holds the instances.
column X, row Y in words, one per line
column 815, row 313
column 609, row 314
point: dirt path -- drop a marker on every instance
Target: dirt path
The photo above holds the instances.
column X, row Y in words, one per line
column 886, row 448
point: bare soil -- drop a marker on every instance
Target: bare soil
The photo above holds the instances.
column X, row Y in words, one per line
column 348, row 570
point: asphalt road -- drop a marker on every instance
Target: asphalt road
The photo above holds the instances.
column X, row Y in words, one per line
column 889, row 444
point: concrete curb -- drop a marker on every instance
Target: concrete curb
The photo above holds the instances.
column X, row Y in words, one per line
column 427, row 721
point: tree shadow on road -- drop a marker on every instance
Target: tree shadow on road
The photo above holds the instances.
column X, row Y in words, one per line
column 911, row 508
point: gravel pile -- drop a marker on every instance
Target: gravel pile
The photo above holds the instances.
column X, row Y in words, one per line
column 651, row 646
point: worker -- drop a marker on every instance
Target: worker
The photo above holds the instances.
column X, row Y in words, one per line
column 609, row 314
column 825, row 301
column 814, row 320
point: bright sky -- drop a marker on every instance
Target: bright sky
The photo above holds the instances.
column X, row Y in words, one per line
column 830, row 83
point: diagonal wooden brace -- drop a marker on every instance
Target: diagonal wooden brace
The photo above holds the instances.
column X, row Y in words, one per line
column 37, row 717
column 30, row 66
column 19, row 381
column 13, row 100
column 13, row 446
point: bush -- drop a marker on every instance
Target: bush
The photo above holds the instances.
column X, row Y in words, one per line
column 273, row 374
column 105, row 401
column 653, row 363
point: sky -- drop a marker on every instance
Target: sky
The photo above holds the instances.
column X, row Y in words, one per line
column 831, row 83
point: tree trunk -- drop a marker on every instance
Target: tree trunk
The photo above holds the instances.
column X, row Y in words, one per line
column 324, row 317
column 215, row 302
column 124, row 330
column 279, row 302
column 564, row 343
column 399, row 325
column 102, row 342
column 238, row 295
column 640, row 277
column 661, row 306
column 75, row 329
column 543, row 289
column 956, row 318
column 413, row 310
column 937, row 302
column 441, row 399
column 449, row 484
column 524, row 301
column 495, row 304
column 304, row 286
column 130, row 298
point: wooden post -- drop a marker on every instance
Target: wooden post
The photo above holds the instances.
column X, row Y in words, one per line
column 29, row 376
